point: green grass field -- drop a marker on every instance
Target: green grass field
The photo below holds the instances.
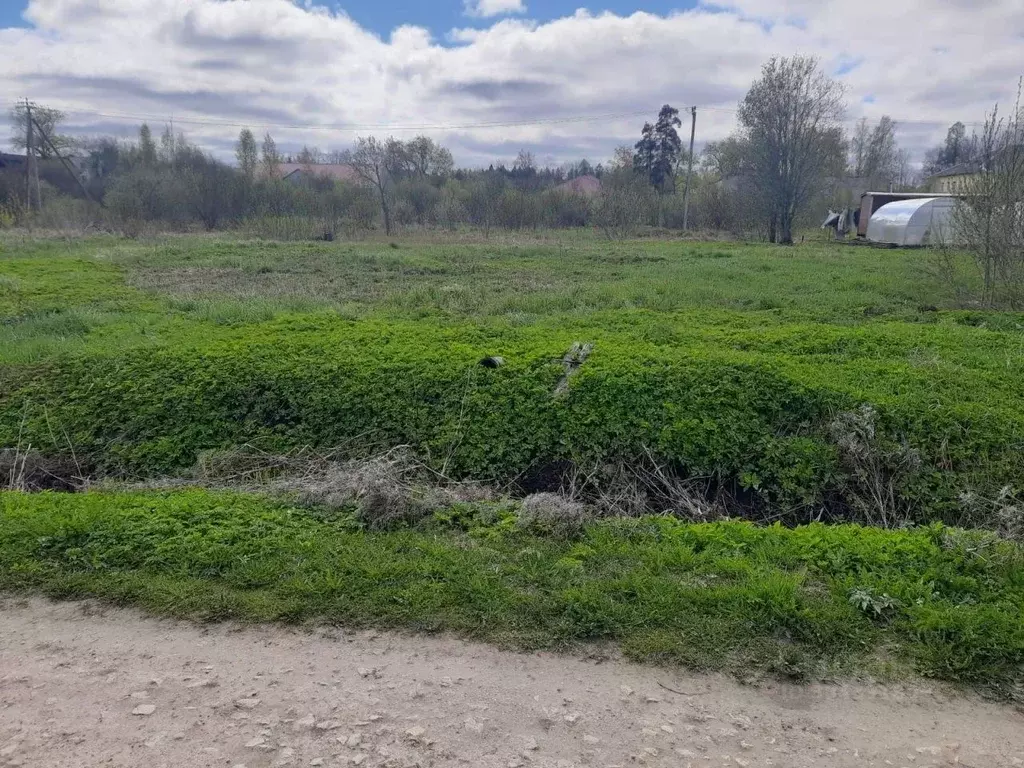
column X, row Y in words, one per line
column 818, row 382
column 512, row 280
column 732, row 362
column 809, row 603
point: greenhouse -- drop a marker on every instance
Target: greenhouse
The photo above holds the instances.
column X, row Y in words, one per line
column 924, row 221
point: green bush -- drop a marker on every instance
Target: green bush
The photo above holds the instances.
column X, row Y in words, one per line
column 767, row 378
column 721, row 404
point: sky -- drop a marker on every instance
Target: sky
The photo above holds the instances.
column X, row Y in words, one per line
column 490, row 77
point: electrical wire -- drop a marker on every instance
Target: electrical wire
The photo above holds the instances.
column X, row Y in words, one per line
column 360, row 126
column 357, row 127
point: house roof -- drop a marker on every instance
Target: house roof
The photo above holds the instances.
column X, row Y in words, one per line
column 960, row 169
column 338, row 172
column 581, row 185
column 907, row 195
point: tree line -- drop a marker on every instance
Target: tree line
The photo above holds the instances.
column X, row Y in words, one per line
column 774, row 174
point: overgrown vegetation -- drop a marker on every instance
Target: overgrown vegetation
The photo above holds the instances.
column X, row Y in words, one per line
column 867, row 407
column 989, row 220
column 808, row 603
column 405, row 484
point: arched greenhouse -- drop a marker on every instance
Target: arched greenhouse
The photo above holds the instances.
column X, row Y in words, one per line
column 922, row 221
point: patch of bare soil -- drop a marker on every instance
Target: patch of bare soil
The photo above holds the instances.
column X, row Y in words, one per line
column 82, row 685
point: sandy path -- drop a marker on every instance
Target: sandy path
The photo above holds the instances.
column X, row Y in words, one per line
column 85, row 686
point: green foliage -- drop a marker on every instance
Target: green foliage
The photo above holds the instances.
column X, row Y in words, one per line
column 873, row 605
column 691, row 368
column 718, row 595
column 658, row 151
column 754, row 415
column 736, row 412
column 8, row 212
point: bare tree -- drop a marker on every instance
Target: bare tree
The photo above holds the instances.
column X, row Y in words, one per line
column 451, row 207
column 48, row 120
column 247, row 154
column 525, row 161
column 625, row 200
column 989, row 219
column 483, row 199
column 419, row 198
column 622, row 159
column 397, row 159
column 791, row 119
column 372, row 162
column 906, row 175
column 875, row 154
column 209, row 188
column 270, row 159
column 169, row 144
column 309, row 155
column 859, row 147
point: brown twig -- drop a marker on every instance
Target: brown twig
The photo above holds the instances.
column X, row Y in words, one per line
column 673, row 690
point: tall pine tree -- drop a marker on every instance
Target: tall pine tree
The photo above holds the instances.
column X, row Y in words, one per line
column 147, row 147
column 658, row 151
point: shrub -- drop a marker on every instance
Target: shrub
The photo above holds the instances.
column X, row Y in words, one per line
column 518, row 209
column 565, row 209
column 623, row 206
column 878, row 467
column 876, row 606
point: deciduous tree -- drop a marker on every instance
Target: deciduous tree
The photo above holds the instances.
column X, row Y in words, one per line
column 427, row 158
column 875, row 154
column 371, row 161
column 791, row 119
column 46, row 119
column 989, row 220
column 270, row 160
column 958, row 148
column 247, row 154
column 147, row 147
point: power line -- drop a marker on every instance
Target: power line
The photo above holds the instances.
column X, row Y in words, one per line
column 899, row 121
column 356, row 127
column 365, row 126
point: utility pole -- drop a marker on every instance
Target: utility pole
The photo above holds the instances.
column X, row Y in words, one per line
column 28, row 155
column 67, row 166
column 689, row 170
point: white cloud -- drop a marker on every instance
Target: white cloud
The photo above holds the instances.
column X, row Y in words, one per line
column 215, row 65
column 485, row 9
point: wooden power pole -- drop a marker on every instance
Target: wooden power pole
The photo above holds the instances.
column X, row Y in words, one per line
column 689, row 170
column 31, row 161
column 28, row 155
column 67, row 165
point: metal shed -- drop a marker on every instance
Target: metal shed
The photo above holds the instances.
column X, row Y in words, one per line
column 925, row 221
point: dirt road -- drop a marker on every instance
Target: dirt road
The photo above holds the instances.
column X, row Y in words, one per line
column 86, row 686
